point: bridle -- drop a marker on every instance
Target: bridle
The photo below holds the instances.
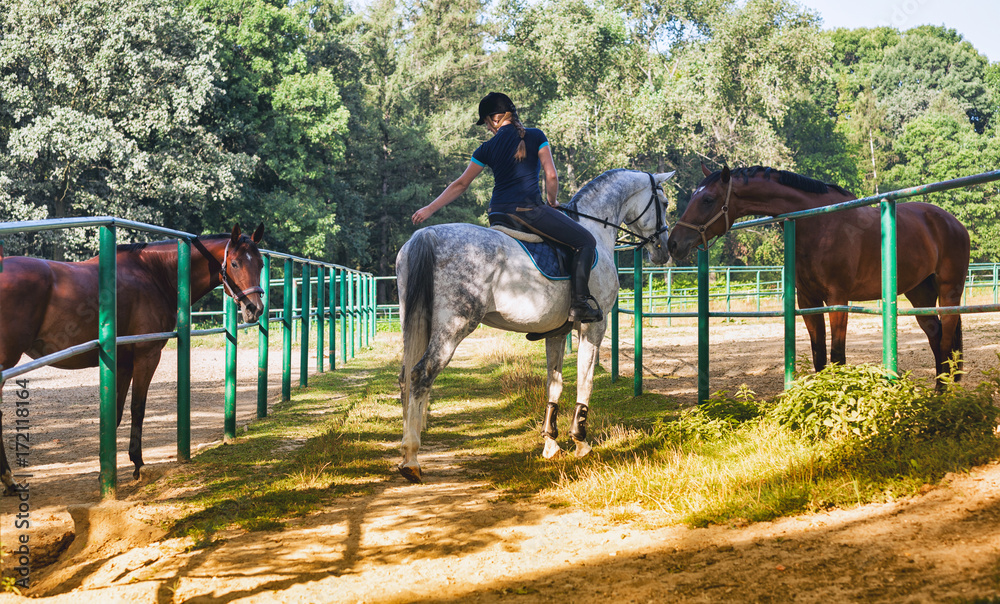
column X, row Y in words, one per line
column 638, row 240
column 224, row 277
column 723, row 213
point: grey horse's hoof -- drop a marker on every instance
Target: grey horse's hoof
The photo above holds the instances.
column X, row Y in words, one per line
column 582, row 448
column 411, row 473
column 551, row 449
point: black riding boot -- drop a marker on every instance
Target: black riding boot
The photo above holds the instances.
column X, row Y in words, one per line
column 583, row 307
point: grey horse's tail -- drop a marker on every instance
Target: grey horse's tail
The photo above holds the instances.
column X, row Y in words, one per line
column 418, row 303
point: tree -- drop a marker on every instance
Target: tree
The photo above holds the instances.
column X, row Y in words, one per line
column 761, row 58
column 940, row 145
column 926, row 62
column 103, row 106
column 285, row 114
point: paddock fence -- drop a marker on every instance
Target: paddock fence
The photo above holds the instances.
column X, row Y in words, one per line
column 980, row 275
column 344, row 297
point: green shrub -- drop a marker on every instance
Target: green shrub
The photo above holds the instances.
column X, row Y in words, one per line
column 737, row 409
column 845, row 401
column 711, row 420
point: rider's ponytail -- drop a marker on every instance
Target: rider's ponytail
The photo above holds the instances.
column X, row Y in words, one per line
column 522, row 151
column 500, row 118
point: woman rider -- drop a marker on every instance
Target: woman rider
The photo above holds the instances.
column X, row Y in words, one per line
column 515, row 154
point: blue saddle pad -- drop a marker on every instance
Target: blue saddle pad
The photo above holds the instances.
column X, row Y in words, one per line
column 550, row 260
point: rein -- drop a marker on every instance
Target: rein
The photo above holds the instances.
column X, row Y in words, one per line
column 723, row 213
column 641, row 241
column 224, row 277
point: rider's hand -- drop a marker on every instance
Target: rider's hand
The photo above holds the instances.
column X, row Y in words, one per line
column 422, row 214
column 554, row 204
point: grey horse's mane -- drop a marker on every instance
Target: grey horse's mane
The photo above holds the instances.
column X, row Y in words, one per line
column 605, row 184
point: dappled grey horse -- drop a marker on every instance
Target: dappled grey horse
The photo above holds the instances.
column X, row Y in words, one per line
column 452, row 277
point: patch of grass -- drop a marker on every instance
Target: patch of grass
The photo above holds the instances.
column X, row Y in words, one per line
column 840, row 438
column 328, row 441
column 843, row 437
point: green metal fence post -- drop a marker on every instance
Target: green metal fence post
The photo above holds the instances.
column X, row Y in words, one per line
column 365, row 322
column 637, row 323
column 106, row 335
column 295, row 299
column 332, row 302
column 670, row 294
column 183, row 350
column 729, row 289
column 286, row 334
column 372, row 308
column 344, row 310
column 995, row 283
column 788, row 291
column 358, row 309
column 351, row 308
column 369, row 315
column 889, row 287
column 320, row 319
column 702, row 326
column 229, row 421
column 304, row 340
column 263, row 338
column 758, row 290
column 614, row 329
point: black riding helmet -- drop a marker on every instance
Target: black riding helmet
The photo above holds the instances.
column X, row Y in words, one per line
column 493, row 103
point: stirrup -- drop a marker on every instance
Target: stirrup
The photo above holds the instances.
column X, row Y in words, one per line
column 585, row 309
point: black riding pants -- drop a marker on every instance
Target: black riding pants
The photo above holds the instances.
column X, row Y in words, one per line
column 550, row 222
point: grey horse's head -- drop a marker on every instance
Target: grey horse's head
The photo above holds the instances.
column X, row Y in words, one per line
column 644, row 211
column 633, row 199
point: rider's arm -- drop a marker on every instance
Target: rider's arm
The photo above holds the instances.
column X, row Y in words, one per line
column 551, row 177
column 450, row 194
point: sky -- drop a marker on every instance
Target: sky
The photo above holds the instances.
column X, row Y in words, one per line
column 976, row 20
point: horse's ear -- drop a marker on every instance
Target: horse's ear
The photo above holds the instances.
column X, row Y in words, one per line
column 236, row 233
column 725, row 173
column 705, row 170
column 258, row 235
column 664, row 177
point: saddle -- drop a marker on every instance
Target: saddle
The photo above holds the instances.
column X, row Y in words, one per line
column 507, row 225
column 550, row 258
column 544, row 253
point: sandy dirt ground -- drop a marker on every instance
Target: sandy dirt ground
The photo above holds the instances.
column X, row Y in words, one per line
column 453, row 539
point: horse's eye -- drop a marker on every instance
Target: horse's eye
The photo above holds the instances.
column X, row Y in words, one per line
column 707, row 201
column 233, row 264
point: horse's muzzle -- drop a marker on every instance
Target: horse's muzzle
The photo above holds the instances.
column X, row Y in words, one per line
column 251, row 309
column 679, row 246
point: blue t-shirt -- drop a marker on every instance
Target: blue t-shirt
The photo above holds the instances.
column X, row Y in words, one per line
column 516, row 182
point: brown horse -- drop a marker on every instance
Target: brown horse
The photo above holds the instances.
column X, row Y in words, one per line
column 48, row 306
column 838, row 255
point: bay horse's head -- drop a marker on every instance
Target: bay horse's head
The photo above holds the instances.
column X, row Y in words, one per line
column 706, row 216
column 646, row 215
column 240, row 273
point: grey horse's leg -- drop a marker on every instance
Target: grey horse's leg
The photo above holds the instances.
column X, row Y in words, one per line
column 591, row 335
column 555, row 351
column 443, row 342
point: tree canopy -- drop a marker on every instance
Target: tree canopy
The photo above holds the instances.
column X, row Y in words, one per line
column 333, row 124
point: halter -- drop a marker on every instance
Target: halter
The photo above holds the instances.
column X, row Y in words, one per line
column 723, row 213
column 653, row 199
column 224, row 277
